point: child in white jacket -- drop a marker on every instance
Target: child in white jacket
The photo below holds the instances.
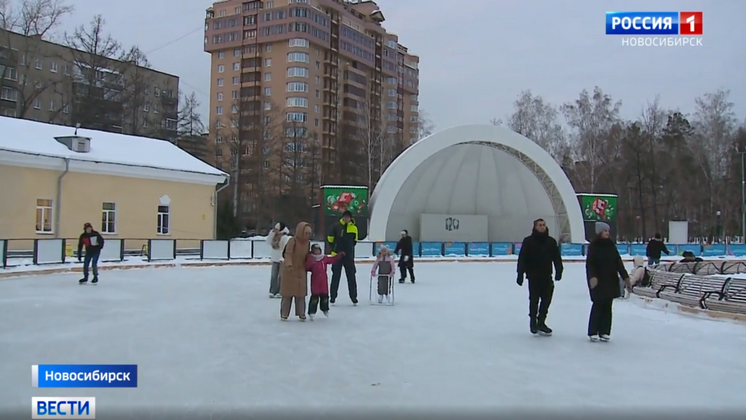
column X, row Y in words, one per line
column 638, row 273
column 277, row 239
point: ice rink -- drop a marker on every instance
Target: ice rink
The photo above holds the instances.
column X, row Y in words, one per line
column 208, row 339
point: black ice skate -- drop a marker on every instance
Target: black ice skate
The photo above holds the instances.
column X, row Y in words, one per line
column 544, row 330
column 534, row 327
column 354, row 301
column 401, row 281
column 95, row 280
column 412, row 279
column 83, row 281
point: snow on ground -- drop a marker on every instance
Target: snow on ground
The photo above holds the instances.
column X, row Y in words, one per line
column 210, row 339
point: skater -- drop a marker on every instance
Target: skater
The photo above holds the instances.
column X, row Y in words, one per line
column 385, row 266
column 406, row 261
column 93, row 243
column 316, row 263
column 655, row 248
column 277, row 239
column 343, row 238
column 294, row 284
column 603, row 267
column 538, row 253
column 637, row 278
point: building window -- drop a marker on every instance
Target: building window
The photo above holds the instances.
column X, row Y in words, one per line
column 236, row 52
column 268, row 48
column 298, row 43
column 221, row 68
column 267, row 77
column 37, row 103
column 392, row 92
column 219, row 110
column 38, row 64
column 109, row 218
column 220, row 96
column 298, row 72
column 236, row 80
column 52, row 106
column 221, row 54
column 298, row 57
column 220, row 83
column 53, row 67
column 316, row 109
column 268, row 91
column 9, row 94
column 164, row 220
column 234, row 94
column 236, row 66
column 391, row 80
column 297, row 102
column 11, row 73
column 267, row 106
column 317, row 79
column 43, row 216
column 392, row 105
column 297, row 117
column 414, row 108
column 297, row 87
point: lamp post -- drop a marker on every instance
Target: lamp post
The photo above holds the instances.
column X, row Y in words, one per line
column 717, row 226
column 743, row 196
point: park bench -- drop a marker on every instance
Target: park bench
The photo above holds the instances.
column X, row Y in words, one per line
column 658, row 279
column 690, row 289
column 733, row 267
column 701, row 267
column 731, row 297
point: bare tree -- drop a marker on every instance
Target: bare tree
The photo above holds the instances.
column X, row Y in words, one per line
column 422, row 128
column 591, row 117
column 23, row 26
column 138, row 107
column 98, row 79
column 190, row 121
column 539, row 121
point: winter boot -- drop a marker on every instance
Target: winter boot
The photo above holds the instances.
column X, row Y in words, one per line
column 95, row 280
column 534, row 325
column 84, row 280
column 543, row 328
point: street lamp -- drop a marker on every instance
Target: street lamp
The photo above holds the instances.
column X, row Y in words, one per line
column 717, row 226
column 743, row 196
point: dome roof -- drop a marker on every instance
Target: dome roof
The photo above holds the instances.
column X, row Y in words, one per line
column 476, row 170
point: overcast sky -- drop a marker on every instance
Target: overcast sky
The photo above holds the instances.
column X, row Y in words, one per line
column 475, row 60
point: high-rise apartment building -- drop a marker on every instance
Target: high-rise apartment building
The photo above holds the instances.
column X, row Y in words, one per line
column 305, row 93
column 48, row 82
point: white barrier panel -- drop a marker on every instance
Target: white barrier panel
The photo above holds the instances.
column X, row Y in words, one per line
column 261, row 248
column 215, row 250
column 161, row 249
column 241, row 248
column 3, row 249
column 112, row 250
column 364, row 249
column 454, row 228
column 49, row 251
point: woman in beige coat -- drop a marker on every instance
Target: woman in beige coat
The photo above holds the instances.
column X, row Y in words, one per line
column 294, row 284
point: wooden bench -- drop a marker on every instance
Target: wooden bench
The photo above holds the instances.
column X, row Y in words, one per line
column 658, row 279
column 733, row 267
column 691, row 289
column 731, row 298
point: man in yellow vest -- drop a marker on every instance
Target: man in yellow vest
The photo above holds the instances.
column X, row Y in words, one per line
column 343, row 238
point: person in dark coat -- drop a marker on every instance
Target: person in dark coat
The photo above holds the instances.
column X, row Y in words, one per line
column 343, row 238
column 538, row 253
column 405, row 251
column 93, row 243
column 655, row 248
column 603, row 267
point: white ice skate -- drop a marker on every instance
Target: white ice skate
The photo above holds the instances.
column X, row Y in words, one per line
column 326, row 314
column 604, row 338
column 593, row 338
column 310, row 316
column 388, row 299
column 380, row 299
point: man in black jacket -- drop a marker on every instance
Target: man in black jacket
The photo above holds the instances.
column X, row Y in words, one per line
column 406, row 258
column 655, row 248
column 538, row 253
column 93, row 243
column 343, row 238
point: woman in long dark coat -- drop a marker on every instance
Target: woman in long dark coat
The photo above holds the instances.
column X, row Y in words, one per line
column 603, row 267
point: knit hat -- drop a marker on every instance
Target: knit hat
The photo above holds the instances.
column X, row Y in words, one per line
column 347, row 213
column 601, row 226
column 315, row 247
column 87, row 225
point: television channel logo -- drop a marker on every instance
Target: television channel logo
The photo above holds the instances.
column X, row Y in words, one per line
column 656, row 29
column 63, row 407
column 84, row 376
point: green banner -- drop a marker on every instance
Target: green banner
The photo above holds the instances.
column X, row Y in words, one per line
column 599, row 207
column 338, row 199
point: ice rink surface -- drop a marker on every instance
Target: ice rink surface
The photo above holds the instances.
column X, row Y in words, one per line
column 210, row 338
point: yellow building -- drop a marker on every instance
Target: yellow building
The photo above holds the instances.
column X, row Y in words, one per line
column 53, row 179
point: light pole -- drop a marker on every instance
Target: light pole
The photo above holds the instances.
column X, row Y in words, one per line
column 717, row 226
column 743, row 196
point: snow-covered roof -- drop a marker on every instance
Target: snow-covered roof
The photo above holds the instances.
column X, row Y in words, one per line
column 126, row 152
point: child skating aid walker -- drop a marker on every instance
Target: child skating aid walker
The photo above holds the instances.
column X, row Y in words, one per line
column 385, row 266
